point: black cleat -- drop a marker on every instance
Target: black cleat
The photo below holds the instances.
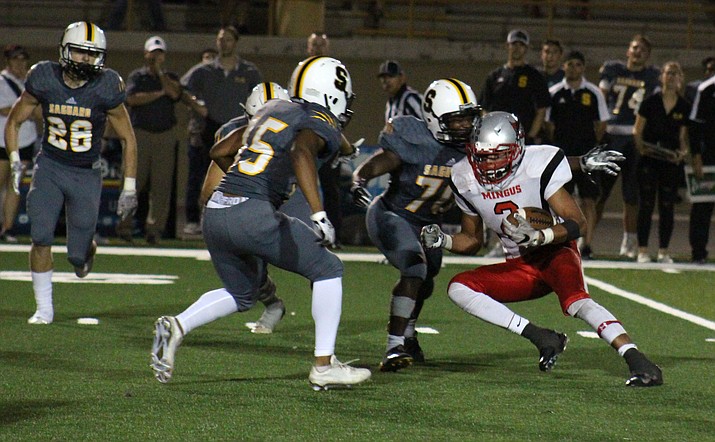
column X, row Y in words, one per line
column 550, row 348
column 644, row 373
column 395, row 359
column 412, row 347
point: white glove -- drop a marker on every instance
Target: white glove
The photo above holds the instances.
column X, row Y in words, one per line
column 323, row 228
column 127, row 204
column 432, row 237
column 361, row 196
column 16, row 168
column 522, row 234
column 600, row 159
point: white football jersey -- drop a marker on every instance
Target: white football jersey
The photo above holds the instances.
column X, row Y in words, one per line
column 543, row 170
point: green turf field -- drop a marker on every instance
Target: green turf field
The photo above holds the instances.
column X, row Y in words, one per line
column 76, row 382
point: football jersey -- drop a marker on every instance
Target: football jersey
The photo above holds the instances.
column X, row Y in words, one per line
column 230, row 127
column 74, row 119
column 626, row 91
column 703, row 114
column 419, row 189
column 264, row 169
column 543, row 170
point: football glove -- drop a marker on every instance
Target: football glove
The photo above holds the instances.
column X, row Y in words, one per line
column 349, row 157
column 523, row 233
column 432, row 237
column 16, row 168
column 361, row 196
column 127, row 204
column 599, row 159
column 323, row 228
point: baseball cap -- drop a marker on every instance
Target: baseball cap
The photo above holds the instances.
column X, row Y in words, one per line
column 12, row 51
column 518, row 35
column 154, row 43
column 390, row 68
column 575, row 55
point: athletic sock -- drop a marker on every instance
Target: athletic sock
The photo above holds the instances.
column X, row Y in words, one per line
column 42, row 287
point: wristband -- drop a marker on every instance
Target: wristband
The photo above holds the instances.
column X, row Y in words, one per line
column 548, row 236
column 572, row 230
column 130, row 184
column 447, row 242
column 14, row 156
column 318, row 215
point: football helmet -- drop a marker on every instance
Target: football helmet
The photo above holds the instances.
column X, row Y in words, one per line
column 496, row 149
column 263, row 92
column 325, row 81
column 83, row 36
column 445, row 100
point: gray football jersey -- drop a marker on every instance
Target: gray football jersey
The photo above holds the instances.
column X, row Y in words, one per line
column 74, row 119
column 264, row 169
column 229, row 127
column 419, row 189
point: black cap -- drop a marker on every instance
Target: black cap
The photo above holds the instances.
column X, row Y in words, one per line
column 12, row 51
column 575, row 55
column 390, row 68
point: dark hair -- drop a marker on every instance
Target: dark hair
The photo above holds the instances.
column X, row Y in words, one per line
column 643, row 39
column 553, row 42
column 209, row 51
column 232, row 29
column 706, row 61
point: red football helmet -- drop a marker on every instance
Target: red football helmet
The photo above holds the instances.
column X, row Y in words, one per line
column 496, row 149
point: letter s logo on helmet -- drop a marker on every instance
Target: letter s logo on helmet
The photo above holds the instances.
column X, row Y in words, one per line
column 324, row 81
column 84, row 37
column 446, row 101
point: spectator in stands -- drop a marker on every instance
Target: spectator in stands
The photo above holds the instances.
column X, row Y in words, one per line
column 625, row 86
column 551, row 54
column 151, row 96
column 402, row 99
column 223, row 86
column 661, row 123
column 691, row 88
column 119, row 11
column 318, row 44
column 518, row 88
column 576, row 121
column 702, row 145
column 12, row 83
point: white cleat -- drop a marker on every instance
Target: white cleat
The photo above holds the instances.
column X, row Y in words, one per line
column 167, row 338
column 339, row 375
column 39, row 319
column 271, row 316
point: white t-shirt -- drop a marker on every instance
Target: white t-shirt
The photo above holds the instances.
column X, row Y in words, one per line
column 28, row 133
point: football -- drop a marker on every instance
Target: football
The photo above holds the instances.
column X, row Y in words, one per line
column 536, row 216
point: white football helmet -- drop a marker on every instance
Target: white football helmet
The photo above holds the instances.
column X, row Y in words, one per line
column 325, row 81
column 83, row 36
column 496, row 149
column 262, row 93
column 447, row 99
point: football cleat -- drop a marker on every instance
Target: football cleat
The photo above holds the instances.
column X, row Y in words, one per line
column 84, row 270
column 167, row 338
column 39, row 319
column 412, row 347
column 270, row 318
column 338, row 375
column 550, row 349
column 644, row 373
column 395, row 359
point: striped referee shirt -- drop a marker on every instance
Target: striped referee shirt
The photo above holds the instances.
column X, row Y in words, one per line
column 407, row 102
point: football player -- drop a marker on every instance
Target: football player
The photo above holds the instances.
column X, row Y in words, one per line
column 498, row 177
column 418, row 154
column 245, row 231
column 228, row 140
column 78, row 97
column 625, row 86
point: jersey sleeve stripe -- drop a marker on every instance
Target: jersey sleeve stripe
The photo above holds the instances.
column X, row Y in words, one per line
column 548, row 173
column 456, row 194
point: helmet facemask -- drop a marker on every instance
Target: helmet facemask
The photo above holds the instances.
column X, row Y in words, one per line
column 456, row 127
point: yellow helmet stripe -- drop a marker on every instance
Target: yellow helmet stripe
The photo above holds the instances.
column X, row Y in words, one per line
column 89, row 27
column 458, row 85
column 267, row 91
column 301, row 74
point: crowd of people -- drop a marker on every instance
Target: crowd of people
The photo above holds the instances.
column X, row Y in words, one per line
column 545, row 137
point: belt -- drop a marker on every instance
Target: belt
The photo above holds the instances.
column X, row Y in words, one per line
column 219, row 200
